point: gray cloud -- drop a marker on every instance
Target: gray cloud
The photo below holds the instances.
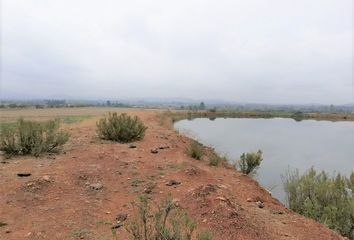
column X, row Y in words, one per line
column 276, row 51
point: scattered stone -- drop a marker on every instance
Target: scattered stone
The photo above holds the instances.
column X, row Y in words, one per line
column 205, row 220
column 249, row 199
column 121, row 217
column 260, row 204
column 233, row 214
column 222, row 186
column 8, row 231
column 132, row 146
column 221, row 199
column 154, row 151
column 192, row 171
column 24, row 174
column 148, row 189
column 96, row 186
column 117, row 225
column 203, row 191
column 173, row 183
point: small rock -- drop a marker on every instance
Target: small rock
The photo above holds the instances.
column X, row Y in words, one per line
column 96, row 186
column 117, row 225
column 149, row 189
column 24, row 174
column 205, row 220
column 175, row 202
column 221, row 199
column 173, row 183
column 260, row 204
column 121, row 217
column 46, row 178
column 154, row 151
column 249, row 199
column 2, row 224
column 222, row 186
column 132, row 146
column 164, row 147
column 8, row 231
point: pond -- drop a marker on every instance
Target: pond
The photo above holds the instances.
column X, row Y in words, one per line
column 285, row 143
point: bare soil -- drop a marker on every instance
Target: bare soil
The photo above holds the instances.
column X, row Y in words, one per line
column 78, row 193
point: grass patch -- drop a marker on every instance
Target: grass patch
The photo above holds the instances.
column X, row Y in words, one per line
column 7, row 125
column 216, row 160
column 178, row 166
column 136, row 182
column 75, row 118
column 166, row 222
column 121, row 128
column 32, row 138
column 195, row 150
column 327, row 199
column 205, row 236
column 104, row 222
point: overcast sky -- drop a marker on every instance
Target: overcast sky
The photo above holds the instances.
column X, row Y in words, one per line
column 274, row 51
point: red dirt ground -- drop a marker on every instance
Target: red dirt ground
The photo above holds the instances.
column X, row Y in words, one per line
column 56, row 202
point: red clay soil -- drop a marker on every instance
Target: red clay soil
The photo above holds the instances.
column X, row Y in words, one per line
column 77, row 194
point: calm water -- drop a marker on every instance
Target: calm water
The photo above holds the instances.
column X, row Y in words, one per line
column 285, row 144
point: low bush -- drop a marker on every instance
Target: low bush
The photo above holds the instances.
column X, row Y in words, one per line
column 166, row 222
column 34, row 138
column 195, row 150
column 249, row 162
column 121, row 128
column 329, row 200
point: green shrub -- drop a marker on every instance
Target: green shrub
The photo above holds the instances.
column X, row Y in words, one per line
column 215, row 159
column 329, row 200
column 34, row 138
column 249, row 162
column 121, row 128
column 166, row 222
column 195, row 150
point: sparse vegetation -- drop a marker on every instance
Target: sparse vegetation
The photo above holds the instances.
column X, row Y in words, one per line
column 329, row 200
column 34, row 138
column 249, row 162
column 205, row 236
column 215, row 159
column 121, row 128
column 195, row 150
column 75, row 118
column 167, row 222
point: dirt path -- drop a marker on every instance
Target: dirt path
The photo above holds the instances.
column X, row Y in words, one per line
column 77, row 195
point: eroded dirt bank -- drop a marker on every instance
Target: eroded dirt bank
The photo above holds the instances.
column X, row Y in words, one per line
column 77, row 195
